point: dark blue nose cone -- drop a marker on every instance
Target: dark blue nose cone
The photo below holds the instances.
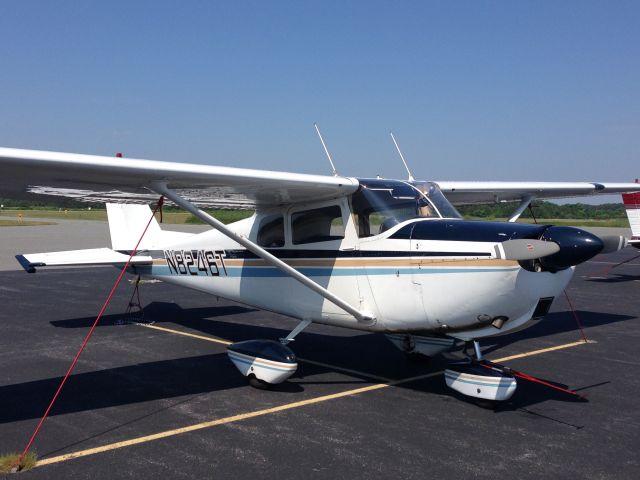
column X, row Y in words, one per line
column 576, row 246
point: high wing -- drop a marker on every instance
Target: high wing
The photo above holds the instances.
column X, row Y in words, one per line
column 111, row 179
column 466, row 193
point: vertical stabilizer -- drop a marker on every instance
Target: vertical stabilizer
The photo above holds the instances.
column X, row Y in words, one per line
column 126, row 224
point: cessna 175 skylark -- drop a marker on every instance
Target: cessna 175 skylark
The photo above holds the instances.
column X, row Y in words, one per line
column 375, row 255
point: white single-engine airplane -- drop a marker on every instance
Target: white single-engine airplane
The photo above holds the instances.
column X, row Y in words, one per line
column 369, row 254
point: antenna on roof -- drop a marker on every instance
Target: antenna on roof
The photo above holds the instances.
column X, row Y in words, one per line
column 335, row 173
column 411, row 179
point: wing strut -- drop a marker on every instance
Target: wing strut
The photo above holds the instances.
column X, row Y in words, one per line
column 524, row 203
column 361, row 316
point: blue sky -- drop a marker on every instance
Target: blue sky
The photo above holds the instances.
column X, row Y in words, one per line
column 495, row 90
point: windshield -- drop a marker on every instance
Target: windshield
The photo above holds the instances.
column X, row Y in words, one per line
column 435, row 195
column 381, row 204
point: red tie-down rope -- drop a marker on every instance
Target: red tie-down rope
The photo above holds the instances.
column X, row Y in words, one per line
column 494, row 366
column 604, row 272
column 86, row 340
column 566, row 294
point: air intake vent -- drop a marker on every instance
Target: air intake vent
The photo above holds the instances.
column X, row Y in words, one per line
column 544, row 304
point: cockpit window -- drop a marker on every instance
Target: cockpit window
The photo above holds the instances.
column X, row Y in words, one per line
column 271, row 232
column 381, row 204
column 437, row 198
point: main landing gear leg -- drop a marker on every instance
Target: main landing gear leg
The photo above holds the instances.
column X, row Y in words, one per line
column 476, row 349
column 291, row 337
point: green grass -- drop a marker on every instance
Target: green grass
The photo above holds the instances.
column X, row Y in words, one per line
column 8, row 460
column 225, row 216
column 57, row 214
column 23, row 223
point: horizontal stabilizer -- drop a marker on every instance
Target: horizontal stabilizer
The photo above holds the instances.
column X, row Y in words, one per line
column 87, row 257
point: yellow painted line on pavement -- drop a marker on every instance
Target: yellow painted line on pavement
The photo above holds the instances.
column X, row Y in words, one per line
column 266, row 411
column 186, row 334
column 538, row 352
column 226, row 420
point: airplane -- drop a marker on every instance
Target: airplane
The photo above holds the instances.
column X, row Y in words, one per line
column 371, row 254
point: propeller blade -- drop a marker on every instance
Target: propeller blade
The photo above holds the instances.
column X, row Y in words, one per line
column 526, row 249
column 613, row 243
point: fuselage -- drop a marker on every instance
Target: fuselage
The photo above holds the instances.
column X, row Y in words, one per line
column 424, row 273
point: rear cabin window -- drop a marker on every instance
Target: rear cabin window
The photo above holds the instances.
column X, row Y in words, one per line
column 271, row 232
column 317, row 225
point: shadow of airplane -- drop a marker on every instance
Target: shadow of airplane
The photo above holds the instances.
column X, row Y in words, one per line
column 552, row 324
column 194, row 376
column 118, row 386
column 156, row 312
column 370, row 353
column 614, row 278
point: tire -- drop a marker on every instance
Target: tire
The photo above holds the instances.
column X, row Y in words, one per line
column 257, row 383
column 488, row 404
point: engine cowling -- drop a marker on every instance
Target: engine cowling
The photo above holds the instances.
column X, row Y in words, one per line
column 576, row 246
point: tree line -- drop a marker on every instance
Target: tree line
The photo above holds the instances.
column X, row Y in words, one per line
column 541, row 209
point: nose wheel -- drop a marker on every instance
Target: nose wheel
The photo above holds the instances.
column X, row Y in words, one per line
column 485, row 383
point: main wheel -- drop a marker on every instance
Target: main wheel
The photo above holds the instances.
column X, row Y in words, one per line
column 257, row 383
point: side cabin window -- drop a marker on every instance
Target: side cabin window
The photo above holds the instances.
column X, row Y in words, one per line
column 317, row 225
column 271, row 232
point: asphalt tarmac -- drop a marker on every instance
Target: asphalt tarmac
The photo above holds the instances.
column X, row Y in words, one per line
column 60, row 235
column 147, row 401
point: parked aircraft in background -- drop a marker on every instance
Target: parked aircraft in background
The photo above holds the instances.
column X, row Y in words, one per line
column 632, row 205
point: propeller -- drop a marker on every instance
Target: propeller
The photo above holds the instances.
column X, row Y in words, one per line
column 560, row 248
column 613, row 243
column 525, row 249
